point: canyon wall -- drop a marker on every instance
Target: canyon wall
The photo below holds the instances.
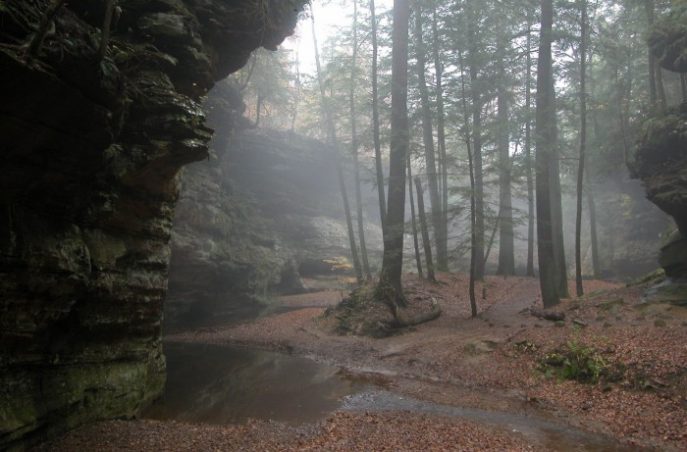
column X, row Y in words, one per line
column 661, row 158
column 91, row 151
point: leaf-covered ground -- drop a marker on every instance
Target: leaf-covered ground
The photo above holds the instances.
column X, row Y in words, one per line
column 342, row 432
column 492, row 362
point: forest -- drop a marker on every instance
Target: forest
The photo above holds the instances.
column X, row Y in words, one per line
column 343, row 225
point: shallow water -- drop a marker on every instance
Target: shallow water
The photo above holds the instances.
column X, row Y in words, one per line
column 547, row 433
column 220, row 385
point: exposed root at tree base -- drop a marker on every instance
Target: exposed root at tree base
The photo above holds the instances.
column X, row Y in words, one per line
column 364, row 314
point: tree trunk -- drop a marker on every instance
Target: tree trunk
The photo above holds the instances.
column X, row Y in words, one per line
column 490, row 243
column 596, row 265
column 354, row 148
column 298, row 93
column 591, row 205
column 653, row 94
column 477, row 143
column 473, row 236
column 506, row 265
column 392, row 262
column 258, row 107
column 621, row 116
column 528, row 153
column 442, row 265
column 556, row 195
column 545, row 142
column 243, row 84
column 428, row 139
column 425, row 230
column 416, row 243
column 558, row 236
column 658, row 93
column 333, row 142
column 583, row 144
column 375, row 117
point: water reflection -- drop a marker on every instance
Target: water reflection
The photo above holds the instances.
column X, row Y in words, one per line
column 220, row 385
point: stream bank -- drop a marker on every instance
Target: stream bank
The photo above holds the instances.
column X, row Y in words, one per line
column 493, row 362
column 238, row 398
column 452, row 383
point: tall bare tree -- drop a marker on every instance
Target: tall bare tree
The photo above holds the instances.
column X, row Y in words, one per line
column 334, row 143
column 471, row 169
column 392, row 262
column 506, row 265
column 545, row 142
column 413, row 222
column 442, row 265
column 473, row 61
column 528, row 150
column 428, row 136
column 375, row 115
column 355, row 146
column 424, row 228
column 583, row 145
column 555, row 185
column 657, row 92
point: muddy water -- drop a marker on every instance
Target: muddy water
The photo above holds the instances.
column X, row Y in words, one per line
column 220, row 385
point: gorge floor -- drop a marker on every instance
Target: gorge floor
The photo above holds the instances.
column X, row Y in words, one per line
column 453, row 383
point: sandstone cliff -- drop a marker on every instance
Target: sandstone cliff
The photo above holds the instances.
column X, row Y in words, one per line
column 661, row 157
column 91, row 151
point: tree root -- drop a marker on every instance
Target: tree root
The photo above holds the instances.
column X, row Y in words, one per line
column 401, row 321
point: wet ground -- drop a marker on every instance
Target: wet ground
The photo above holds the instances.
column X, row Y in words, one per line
column 551, row 435
column 213, row 384
column 224, row 384
column 280, row 379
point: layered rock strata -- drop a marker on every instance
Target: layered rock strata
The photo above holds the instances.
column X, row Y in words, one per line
column 661, row 157
column 89, row 175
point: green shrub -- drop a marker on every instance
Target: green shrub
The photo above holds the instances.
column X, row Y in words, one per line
column 574, row 361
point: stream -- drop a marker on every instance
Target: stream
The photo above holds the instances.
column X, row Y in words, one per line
column 227, row 384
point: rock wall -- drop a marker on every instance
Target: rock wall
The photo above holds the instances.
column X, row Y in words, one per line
column 261, row 212
column 661, row 163
column 661, row 157
column 91, row 152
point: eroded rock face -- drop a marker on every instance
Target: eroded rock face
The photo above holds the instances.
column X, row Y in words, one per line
column 91, row 152
column 661, row 164
column 263, row 210
column 661, row 157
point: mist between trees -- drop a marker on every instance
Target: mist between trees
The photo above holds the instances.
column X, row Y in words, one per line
column 516, row 118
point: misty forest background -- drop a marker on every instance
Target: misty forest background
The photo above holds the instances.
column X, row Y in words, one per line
column 474, row 85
